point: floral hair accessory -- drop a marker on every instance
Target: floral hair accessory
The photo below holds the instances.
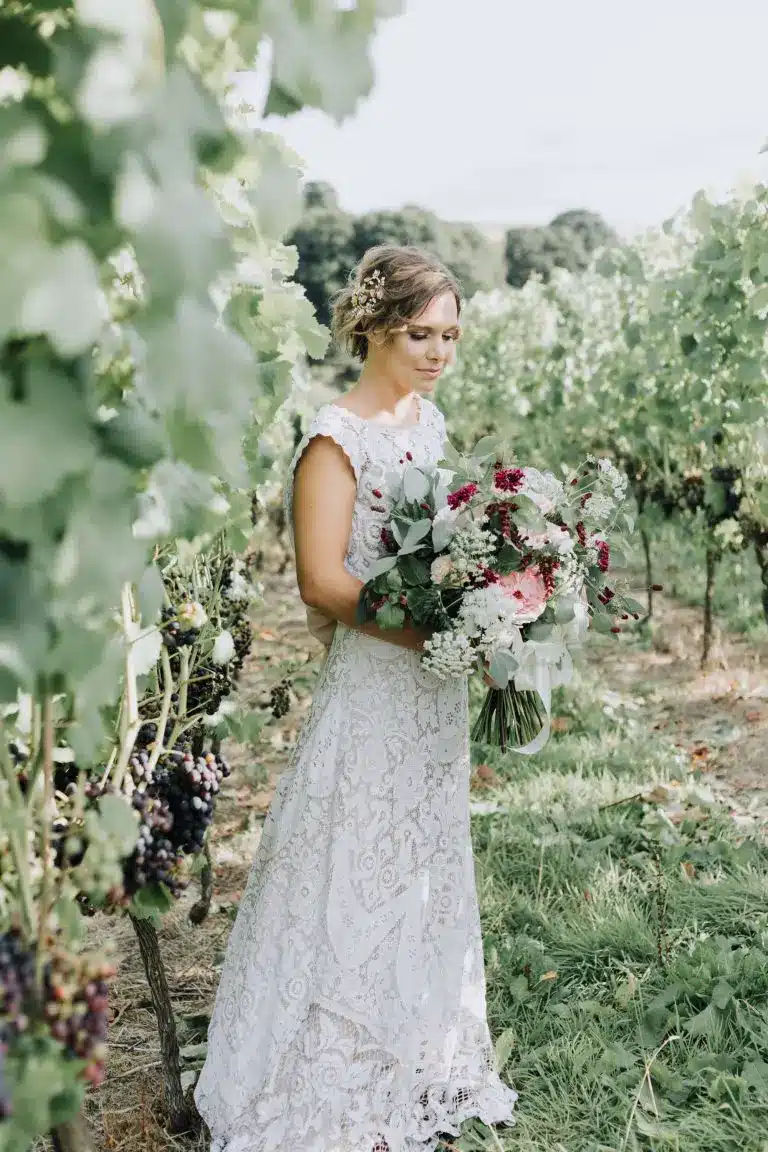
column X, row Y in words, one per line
column 367, row 294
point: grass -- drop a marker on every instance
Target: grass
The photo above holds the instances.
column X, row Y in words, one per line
column 626, row 946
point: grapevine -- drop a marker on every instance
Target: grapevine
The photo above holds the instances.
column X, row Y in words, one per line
column 151, row 337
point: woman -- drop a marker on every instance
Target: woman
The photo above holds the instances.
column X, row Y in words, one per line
column 351, row 1013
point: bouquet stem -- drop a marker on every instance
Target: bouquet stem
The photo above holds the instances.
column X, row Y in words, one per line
column 509, row 718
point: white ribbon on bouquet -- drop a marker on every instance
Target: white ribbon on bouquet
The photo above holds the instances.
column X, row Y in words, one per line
column 547, row 664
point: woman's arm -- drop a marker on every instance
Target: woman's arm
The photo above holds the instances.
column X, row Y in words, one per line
column 324, row 492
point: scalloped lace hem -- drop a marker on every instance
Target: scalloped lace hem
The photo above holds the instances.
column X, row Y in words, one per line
column 492, row 1102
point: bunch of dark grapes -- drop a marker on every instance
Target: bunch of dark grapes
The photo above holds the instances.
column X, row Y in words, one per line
column 175, row 635
column 17, row 987
column 176, row 808
column 76, row 1006
column 242, row 634
column 188, row 785
column 209, row 684
column 74, row 1002
column 280, row 699
column 154, row 858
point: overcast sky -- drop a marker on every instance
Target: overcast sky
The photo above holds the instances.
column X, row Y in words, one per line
column 510, row 111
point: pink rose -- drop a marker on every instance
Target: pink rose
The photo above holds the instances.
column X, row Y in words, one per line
column 527, row 592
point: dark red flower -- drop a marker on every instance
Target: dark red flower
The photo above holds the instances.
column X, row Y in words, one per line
column 581, row 532
column 409, row 456
column 488, row 576
column 461, row 495
column 509, row 479
column 603, row 556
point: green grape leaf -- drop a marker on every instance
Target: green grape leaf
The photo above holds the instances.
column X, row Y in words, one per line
column 119, row 823
column 43, row 439
column 64, row 300
column 759, row 300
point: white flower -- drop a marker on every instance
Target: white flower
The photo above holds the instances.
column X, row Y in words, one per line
column 543, row 488
column 223, row 648
column 559, row 538
column 448, row 655
column 471, row 548
column 483, row 609
column 616, row 479
column 599, row 507
column 442, row 566
column 192, row 614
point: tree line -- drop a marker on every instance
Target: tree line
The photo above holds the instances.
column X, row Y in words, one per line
column 330, row 241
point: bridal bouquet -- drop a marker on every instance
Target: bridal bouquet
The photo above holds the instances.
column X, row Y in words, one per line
column 509, row 566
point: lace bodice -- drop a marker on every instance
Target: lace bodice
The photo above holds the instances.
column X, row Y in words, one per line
column 373, row 449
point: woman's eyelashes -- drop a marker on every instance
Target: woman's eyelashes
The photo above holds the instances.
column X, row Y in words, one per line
column 449, row 336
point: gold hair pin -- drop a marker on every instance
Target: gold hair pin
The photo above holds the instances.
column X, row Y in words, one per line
column 367, row 294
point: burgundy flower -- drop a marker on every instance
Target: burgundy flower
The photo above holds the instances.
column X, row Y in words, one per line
column 548, row 565
column 488, row 576
column 603, row 556
column 461, row 495
column 509, row 479
column 581, row 532
column 388, row 540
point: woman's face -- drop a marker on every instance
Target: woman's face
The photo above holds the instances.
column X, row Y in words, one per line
column 417, row 355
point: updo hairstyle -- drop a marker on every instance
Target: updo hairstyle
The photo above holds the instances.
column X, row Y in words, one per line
column 395, row 283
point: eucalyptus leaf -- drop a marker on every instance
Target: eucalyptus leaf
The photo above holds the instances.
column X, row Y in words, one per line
column 415, row 535
column 380, row 566
column 415, row 484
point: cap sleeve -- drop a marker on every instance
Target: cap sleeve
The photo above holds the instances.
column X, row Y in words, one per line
column 328, row 421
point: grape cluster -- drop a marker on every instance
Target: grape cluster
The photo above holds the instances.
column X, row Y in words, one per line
column 175, row 635
column 242, row 634
column 74, row 1002
column 209, row 684
column 176, row 808
column 153, row 859
column 280, row 699
column 76, row 1006
column 17, row 985
column 189, row 784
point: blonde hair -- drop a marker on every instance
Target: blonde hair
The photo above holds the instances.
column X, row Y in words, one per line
column 410, row 276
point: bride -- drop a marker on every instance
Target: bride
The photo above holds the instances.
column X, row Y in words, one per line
column 351, row 1011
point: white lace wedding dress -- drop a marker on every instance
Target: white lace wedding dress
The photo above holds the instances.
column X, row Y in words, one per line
column 351, row 1013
